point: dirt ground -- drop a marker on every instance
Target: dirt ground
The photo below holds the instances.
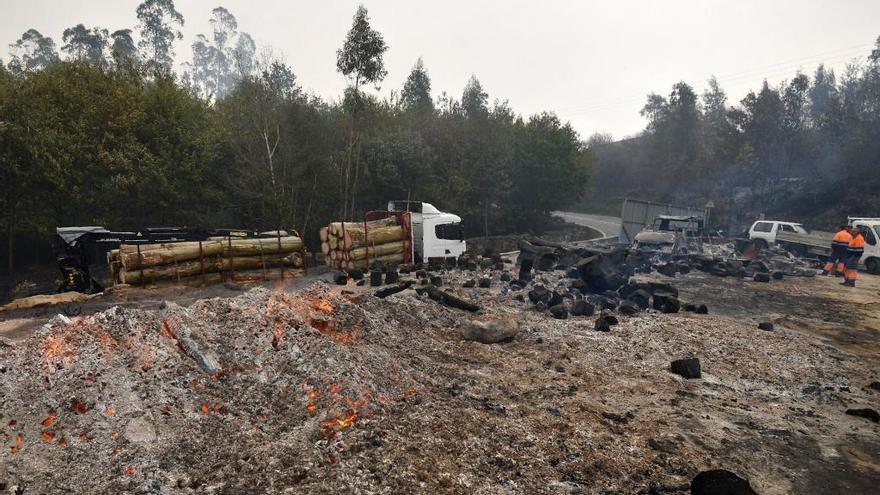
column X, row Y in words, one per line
column 312, row 388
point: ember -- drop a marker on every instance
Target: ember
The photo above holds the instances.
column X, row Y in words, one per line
column 50, row 419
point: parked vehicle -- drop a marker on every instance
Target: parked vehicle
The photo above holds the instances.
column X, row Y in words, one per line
column 764, row 232
column 435, row 235
column 817, row 243
column 671, row 233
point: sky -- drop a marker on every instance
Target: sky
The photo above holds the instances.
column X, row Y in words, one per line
column 590, row 62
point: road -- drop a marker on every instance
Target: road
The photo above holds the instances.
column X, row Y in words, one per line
column 607, row 226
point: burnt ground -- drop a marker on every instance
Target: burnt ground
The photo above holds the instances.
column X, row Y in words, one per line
column 329, row 392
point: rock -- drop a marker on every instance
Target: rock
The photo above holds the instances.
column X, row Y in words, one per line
column 640, row 298
column 559, row 311
column 505, row 277
column 866, row 413
column 469, row 283
column 555, row 299
column 702, row 309
column 660, row 298
column 604, row 322
column 582, row 308
column 520, row 298
column 539, row 293
column 436, row 281
column 607, row 303
column 691, row 307
column 491, row 331
column 654, row 287
column 340, row 278
column 766, row 325
column 357, row 274
column 688, row 368
column 485, row 283
column 720, row 482
column 628, row 307
column 140, row 430
column 672, row 305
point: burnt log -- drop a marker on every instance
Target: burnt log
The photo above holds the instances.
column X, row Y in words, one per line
column 582, row 308
column 387, row 291
column 720, row 482
column 447, row 299
column 688, row 368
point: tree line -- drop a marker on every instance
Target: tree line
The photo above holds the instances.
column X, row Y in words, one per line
column 807, row 149
column 110, row 134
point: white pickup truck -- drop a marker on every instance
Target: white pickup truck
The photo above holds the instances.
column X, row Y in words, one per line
column 766, row 231
column 818, row 243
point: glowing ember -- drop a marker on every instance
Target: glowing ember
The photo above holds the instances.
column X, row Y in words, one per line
column 206, row 408
column 48, row 435
column 78, row 406
column 50, row 419
column 62, row 442
column 129, row 470
column 109, row 410
column 333, row 425
column 321, row 305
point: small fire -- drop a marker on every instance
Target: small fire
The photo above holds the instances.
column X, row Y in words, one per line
column 206, row 408
column 333, row 425
column 322, row 305
column 50, row 419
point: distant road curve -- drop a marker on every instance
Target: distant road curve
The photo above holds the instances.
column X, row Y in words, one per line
column 607, row 226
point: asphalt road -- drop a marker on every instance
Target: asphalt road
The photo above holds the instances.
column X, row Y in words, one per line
column 608, row 226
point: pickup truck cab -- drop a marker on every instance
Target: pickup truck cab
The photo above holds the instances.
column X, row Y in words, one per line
column 671, row 234
column 766, row 230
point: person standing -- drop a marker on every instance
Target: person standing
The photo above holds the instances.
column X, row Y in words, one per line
column 854, row 251
column 840, row 243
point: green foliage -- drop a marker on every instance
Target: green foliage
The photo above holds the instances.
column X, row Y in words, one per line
column 360, row 57
column 416, row 94
column 32, row 52
column 159, row 24
column 84, row 44
column 220, row 62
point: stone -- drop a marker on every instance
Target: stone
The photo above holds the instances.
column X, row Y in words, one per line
column 493, row 331
column 766, row 325
column 688, row 368
column 628, row 307
column 559, row 311
column 485, row 283
column 340, row 278
column 672, row 305
column 582, row 307
column 469, row 283
column 357, row 274
column 720, row 482
column 436, row 281
column 866, row 413
column 604, row 322
column 505, row 277
column 702, row 309
column 640, row 298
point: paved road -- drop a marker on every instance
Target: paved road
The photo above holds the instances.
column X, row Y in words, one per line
column 608, row 226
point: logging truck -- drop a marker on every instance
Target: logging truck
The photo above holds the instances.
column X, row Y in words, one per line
column 435, row 235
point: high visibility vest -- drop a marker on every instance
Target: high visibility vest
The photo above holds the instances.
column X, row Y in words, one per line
column 856, row 245
column 842, row 239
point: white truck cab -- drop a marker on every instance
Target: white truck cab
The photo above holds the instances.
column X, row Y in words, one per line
column 436, row 235
column 870, row 228
column 766, row 230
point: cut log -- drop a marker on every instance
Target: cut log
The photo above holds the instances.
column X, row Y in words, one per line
column 194, row 267
column 333, row 242
column 379, row 235
column 377, row 250
column 322, row 233
column 336, row 228
column 244, row 277
column 325, row 248
column 163, row 254
column 390, row 259
column 446, row 298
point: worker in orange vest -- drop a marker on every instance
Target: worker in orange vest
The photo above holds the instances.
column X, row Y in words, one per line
column 855, row 250
column 839, row 245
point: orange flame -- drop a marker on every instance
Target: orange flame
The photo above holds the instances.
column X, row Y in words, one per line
column 338, row 423
column 206, row 408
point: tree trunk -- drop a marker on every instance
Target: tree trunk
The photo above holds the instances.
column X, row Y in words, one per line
column 192, row 268
column 377, row 250
column 163, row 254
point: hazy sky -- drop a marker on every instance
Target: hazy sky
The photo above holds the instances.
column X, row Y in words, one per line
column 592, row 62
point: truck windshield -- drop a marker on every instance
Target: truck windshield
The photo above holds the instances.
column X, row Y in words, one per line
column 449, row 231
column 671, row 225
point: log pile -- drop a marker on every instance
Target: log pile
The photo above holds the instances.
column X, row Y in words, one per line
column 211, row 261
column 354, row 245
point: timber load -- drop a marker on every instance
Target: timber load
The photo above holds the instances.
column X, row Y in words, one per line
column 214, row 260
column 355, row 245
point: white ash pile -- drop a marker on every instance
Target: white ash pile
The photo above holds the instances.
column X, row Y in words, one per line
column 211, row 397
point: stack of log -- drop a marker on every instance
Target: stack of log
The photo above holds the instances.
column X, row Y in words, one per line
column 206, row 262
column 354, row 245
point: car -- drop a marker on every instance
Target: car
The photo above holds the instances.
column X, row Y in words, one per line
column 671, row 234
column 764, row 231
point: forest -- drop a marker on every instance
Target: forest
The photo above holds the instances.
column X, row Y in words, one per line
column 107, row 131
column 806, row 149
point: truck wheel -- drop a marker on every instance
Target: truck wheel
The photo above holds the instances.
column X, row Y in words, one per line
column 873, row 265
